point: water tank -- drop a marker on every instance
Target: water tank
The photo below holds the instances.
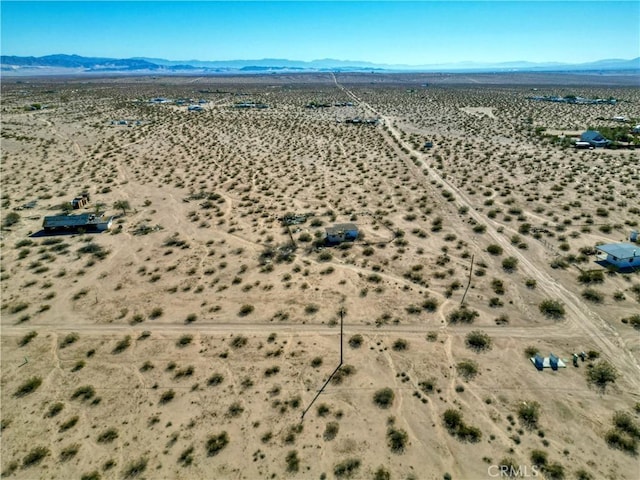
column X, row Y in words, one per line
column 633, row 236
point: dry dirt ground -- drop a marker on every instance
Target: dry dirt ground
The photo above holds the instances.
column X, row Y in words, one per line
column 187, row 342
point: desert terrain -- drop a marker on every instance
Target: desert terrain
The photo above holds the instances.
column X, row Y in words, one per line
column 188, row 340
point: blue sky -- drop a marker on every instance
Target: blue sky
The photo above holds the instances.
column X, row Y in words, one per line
column 412, row 33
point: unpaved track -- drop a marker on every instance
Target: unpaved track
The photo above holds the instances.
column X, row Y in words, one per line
column 579, row 317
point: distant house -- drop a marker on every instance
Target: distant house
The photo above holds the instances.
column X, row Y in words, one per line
column 87, row 222
column 595, row 138
column 583, row 145
column 195, row 108
column 341, row 232
column 621, row 255
column 636, row 129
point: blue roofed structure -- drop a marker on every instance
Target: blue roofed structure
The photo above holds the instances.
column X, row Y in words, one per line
column 594, row 138
column 622, row 255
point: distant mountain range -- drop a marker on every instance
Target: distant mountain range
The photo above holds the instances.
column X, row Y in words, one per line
column 75, row 64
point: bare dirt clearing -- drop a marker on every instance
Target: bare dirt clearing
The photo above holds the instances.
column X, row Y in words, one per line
column 187, row 340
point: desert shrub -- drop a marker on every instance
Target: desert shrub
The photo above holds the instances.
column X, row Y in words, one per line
column 346, row 468
column 633, row 320
column 621, row 441
column 624, row 422
column 54, row 409
column 167, row 396
column 239, row 341
column 494, row 249
column 342, row 373
column 35, row 456
column 531, row 283
column 135, row 468
column 69, row 452
column 331, row 431
column 400, row 345
column 311, row 309
column 509, row 264
column 192, row 317
column 382, row 474
column 293, row 462
column 531, row 351
column 397, row 440
column 554, row 471
column 69, row 339
column 582, row 474
column 462, row 315
column 478, row 341
column 68, row 424
column 430, row 304
column 529, row 413
column 589, row 277
column 216, row 443
column 538, row 458
column 27, row 338
column 186, row 457
column 122, row 345
column 95, row 475
column 84, row 392
column 428, row 385
column 215, row 379
column 452, row 419
column 29, row 386
column 184, row 340
column 245, row 310
column 383, row 398
column 356, row 341
column 108, row 436
column 593, row 295
column 235, row 409
column 467, row 369
column 323, row 410
column 155, row 313
column 316, row 362
column 552, row 308
column 601, row 374
column 10, row 219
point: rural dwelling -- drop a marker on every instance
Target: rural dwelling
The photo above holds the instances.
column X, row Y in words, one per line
column 341, row 232
column 621, row 255
column 595, row 138
column 87, row 222
column 80, row 201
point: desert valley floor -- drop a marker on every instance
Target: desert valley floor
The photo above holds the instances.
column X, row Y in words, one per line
column 187, row 340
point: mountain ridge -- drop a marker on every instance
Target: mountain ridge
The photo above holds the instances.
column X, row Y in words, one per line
column 80, row 64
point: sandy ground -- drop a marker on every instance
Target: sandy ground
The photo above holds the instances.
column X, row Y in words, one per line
column 194, row 298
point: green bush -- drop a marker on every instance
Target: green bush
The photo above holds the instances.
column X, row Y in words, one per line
column 601, row 374
column 467, row 369
column 35, row 456
column 108, row 436
column 529, row 413
column 135, row 468
column 462, row 315
column 397, row 440
column 216, row 443
column 552, row 309
column 478, row 341
column 509, row 264
column 293, row 462
column 27, row 338
column 84, row 392
column 346, row 468
column 383, row 398
column 356, row 341
column 29, row 386
column 494, row 249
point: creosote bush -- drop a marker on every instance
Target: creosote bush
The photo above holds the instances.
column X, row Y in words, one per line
column 29, row 386
column 601, row 374
column 216, row 443
column 552, row 309
column 478, row 341
column 383, row 398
